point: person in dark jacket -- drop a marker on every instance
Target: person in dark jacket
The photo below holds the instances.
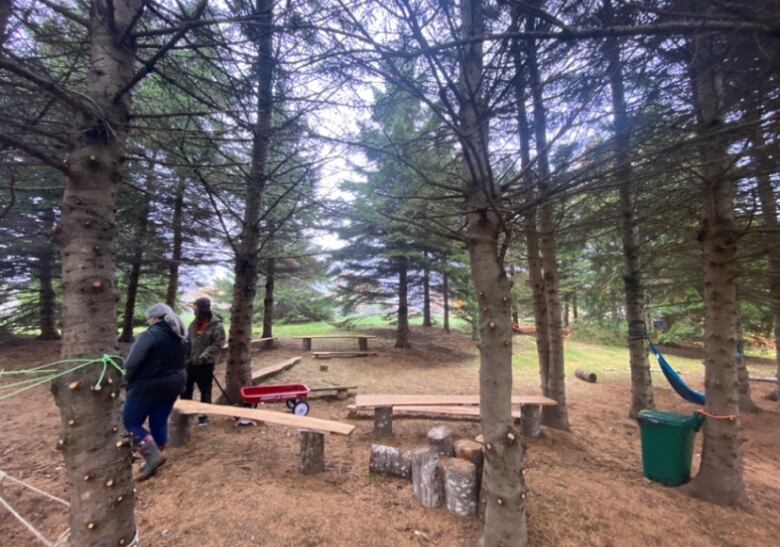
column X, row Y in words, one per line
column 155, row 376
column 206, row 337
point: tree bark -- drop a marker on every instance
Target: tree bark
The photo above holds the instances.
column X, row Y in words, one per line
column 239, row 363
column 268, row 302
column 312, row 452
column 440, row 439
column 426, row 295
column 641, row 383
column 505, row 514
column 402, row 332
column 768, row 200
column 137, row 259
column 552, row 416
column 574, row 306
column 720, row 478
column 446, row 298
column 176, row 255
column 92, row 446
column 461, row 486
column 383, row 421
column 427, row 482
column 390, row 461
column 47, row 301
column 746, row 404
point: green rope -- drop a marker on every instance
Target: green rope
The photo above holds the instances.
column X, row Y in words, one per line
column 106, row 361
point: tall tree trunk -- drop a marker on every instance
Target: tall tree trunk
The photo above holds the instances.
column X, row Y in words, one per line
column 746, row 404
column 239, row 363
column 552, row 416
column 426, row 295
column 268, row 301
column 47, row 302
column 536, row 278
column 505, row 515
column 720, row 476
column 565, row 314
column 641, row 384
column 574, row 306
column 768, row 199
column 178, row 238
column 137, row 259
column 90, row 419
column 402, row 333
column 445, row 293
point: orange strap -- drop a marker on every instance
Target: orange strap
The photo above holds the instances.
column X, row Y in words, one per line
column 716, row 417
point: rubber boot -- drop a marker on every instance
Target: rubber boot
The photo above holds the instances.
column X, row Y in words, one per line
column 152, row 456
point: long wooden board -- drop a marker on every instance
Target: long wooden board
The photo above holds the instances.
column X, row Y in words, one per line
column 438, row 411
column 394, row 400
column 263, row 373
column 255, row 341
column 342, row 354
column 334, row 336
column 267, row 416
column 331, row 388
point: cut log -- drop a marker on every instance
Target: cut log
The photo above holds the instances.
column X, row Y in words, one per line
column 586, row 376
column 312, row 452
column 469, row 450
column 427, row 483
column 440, row 438
column 461, row 491
column 383, row 421
column 179, row 429
column 390, row 461
column 363, row 343
column 531, row 422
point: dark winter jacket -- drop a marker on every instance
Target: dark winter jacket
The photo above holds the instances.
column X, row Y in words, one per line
column 154, row 368
column 206, row 348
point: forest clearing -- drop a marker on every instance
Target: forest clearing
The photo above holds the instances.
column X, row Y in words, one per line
column 493, row 273
column 234, row 484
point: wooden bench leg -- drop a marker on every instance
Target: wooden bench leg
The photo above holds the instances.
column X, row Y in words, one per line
column 179, row 428
column 531, row 420
column 383, row 421
column 307, row 344
column 312, row 452
column 363, row 344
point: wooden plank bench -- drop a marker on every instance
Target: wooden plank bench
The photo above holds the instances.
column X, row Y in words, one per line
column 361, row 338
column 261, row 374
column 441, row 406
column 257, row 341
column 312, row 430
column 343, row 354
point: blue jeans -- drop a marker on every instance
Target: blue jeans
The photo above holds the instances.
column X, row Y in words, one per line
column 137, row 410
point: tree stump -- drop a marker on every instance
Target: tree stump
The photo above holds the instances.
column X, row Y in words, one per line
column 440, row 438
column 531, row 421
column 469, row 450
column 312, row 452
column 307, row 344
column 390, row 461
column 363, row 344
column 179, row 428
column 383, row 421
column 427, row 483
column 323, row 368
column 461, row 491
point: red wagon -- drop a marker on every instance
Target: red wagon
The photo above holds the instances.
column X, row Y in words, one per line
column 293, row 394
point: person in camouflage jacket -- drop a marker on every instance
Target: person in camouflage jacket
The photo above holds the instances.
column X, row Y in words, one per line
column 206, row 337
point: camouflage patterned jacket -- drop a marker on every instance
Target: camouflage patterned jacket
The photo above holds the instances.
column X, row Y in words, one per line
column 206, row 347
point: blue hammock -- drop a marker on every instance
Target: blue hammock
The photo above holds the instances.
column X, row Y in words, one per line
column 677, row 383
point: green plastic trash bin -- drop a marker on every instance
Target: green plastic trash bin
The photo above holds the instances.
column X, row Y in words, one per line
column 667, row 445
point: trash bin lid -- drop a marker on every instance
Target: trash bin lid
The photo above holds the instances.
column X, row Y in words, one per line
column 670, row 419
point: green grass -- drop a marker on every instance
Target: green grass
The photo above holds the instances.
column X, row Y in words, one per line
column 594, row 358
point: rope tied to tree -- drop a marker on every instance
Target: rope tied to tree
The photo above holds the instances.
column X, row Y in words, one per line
column 106, row 360
column 730, row 417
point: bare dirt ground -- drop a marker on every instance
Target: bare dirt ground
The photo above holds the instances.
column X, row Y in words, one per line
column 240, row 486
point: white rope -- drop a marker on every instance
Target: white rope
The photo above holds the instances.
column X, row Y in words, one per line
column 4, row 475
column 29, row 526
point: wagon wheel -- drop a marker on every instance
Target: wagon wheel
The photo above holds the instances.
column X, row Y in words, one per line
column 301, row 408
column 291, row 403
